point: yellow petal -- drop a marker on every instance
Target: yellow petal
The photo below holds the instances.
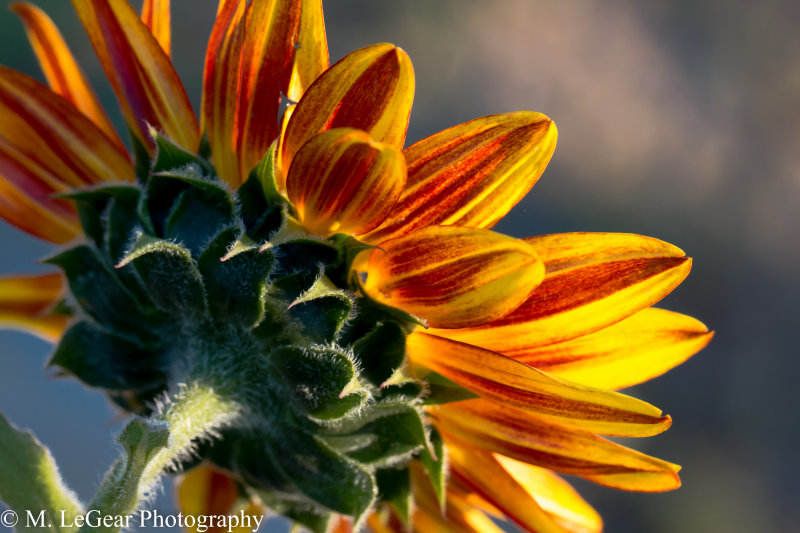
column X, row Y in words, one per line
column 483, row 473
column 453, row 277
column 48, row 147
column 629, row 352
column 221, row 89
column 370, row 89
column 60, row 69
column 25, row 302
column 156, row 16
column 556, row 497
column 533, row 439
column 206, row 491
column 144, row 80
column 505, row 380
column 472, row 174
column 341, row 181
column 592, row 280
column 310, row 50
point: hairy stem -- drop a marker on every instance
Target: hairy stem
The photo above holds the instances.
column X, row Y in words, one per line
column 194, row 412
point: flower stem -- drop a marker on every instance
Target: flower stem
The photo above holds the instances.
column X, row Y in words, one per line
column 194, row 412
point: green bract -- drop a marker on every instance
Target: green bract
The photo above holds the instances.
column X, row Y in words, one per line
column 183, row 284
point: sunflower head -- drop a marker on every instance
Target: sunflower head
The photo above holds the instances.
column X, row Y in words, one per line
column 378, row 354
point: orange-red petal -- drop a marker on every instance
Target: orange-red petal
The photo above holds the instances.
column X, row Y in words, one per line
column 48, row 147
column 221, row 89
column 592, row 280
column 453, row 277
column 25, row 302
column 510, row 382
column 533, row 439
column 341, row 181
column 255, row 53
column 60, row 69
column 471, row 174
column 146, row 84
column 205, row 491
column 632, row 351
column 370, row 89
column 267, row 54
column 156, row 16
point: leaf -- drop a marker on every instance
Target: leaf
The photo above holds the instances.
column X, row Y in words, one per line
column 30, row 482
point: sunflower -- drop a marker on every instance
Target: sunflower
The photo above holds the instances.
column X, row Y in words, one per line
column 370, row 351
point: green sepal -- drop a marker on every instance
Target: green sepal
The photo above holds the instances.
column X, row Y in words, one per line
column 404, row 390
column 306, row 517
column 322, row 310
column 443, row 390
column 398, row 436
column 122, row 222
column 323, row 381
column 143, row 161
column 381, row 311
column 101, row 359
column 170, row 156
column 394, row 486
column 341, row 407
column 295, row 275
column 197, row 215
column 236, row 277
column 381, row 352
column 348, row 443
column 108, row 215
column 90, row 206
column 261, row 205
column 348, row 247
column 98, row 291
column 169, row 274
column 326, row 476
column 30, row 483
column 323, row 317
column 162, row 192
column 434, row 460
column 204, row 149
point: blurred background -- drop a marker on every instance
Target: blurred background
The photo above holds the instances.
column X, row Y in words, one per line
column 679, row 120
